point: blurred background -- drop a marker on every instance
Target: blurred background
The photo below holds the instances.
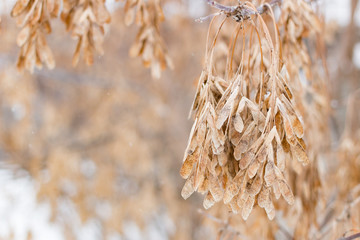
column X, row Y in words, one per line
column 94, row 152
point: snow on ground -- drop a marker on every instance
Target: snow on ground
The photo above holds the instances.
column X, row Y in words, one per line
column 20, row 212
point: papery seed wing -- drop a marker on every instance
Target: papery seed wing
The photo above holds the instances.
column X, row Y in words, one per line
column 225, row 112
column 286, row 192
column 276, row 190
column 270, row 211
column 300, row 154
column 19, row 7
column 256, row 185
column 230, row 192
column 188, row 164
column 209, row 201
column 246, row 159
column 248, row 206
column 280, row 158
column 23, row 35
column 238, row 123
column 296, row 126
column 188, row 188
column 215, row 189
column 269, row 176
column 222, row 158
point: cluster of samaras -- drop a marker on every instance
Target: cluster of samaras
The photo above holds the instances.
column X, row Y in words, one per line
column 86, row 20
column 149, row 44
column 246, row 127
column 237, row 148
column 34, row 18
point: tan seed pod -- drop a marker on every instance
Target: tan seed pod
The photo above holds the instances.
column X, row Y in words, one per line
column 248, row 206
column 234, row 206
column 238, row 123
column 188, row 165
column 286, row 192
column 296, row 126
column 279, row 124
column 280, row 158
column 290, row 136
column 264, row 198
column 235, row 136
column 225, row 112
column 199, row 173
column 204, row 187
column 276, row 189
column 23, row 35
column 19, row 7
column 285, row 145
column 222, row 158
column 269, row 176
column 231, row 191
column 215, row 189
column 270, row 211
column 239, row 149
column 201, row 134
column 255, row 186
column 188, row 188
column 253, row 168
column 209, row 201
column 262, row 154
column 300, row 154
column 246, row 159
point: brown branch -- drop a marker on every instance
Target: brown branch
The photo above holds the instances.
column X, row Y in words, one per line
column 242, row 11
column 357, row 235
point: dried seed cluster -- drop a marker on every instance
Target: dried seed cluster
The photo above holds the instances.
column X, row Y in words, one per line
column 86, row 20
column 33, row 16
column 246, row 125
column 297, row 26
column 148, row 44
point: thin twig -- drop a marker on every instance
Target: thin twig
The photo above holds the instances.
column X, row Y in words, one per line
column 221, row 7
column 357, row 235
column 225, row 224
column 241, row 11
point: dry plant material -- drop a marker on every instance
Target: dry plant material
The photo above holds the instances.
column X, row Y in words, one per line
column 247, row 126
column 148, row 44
column 34, row 16
column 86, row 20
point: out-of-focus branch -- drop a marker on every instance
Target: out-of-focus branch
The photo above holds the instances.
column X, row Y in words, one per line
column 357, row 235
column 225, row 224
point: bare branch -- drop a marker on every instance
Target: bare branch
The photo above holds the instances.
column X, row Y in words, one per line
column 357, row 235
column 227, row 9
column 242, row 11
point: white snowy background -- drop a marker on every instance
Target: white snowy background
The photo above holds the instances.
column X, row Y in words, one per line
column 19, row 210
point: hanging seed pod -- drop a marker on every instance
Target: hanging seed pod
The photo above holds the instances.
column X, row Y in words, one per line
column 245, row 117
column 34, row 18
